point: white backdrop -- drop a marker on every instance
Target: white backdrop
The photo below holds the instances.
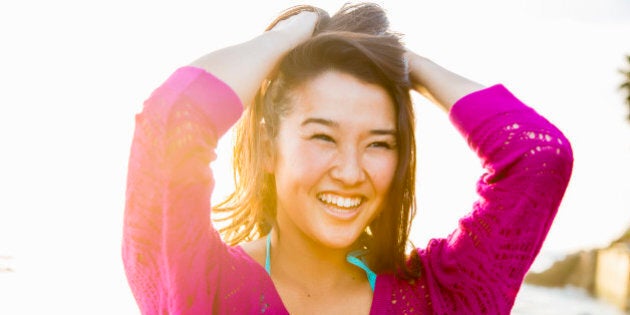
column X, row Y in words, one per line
column 74, row 73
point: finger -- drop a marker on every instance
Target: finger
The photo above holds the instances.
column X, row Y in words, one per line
column 306, row 18
column 296, row 10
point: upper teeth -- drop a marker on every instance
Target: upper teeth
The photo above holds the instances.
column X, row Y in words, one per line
column 339, row 201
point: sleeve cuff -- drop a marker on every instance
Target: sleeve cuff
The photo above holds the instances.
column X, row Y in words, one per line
column 472, row 110
column 215, row 98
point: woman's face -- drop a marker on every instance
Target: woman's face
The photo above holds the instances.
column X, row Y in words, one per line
column 334, row 159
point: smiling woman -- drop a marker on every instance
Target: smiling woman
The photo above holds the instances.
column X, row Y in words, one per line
column 325, row 160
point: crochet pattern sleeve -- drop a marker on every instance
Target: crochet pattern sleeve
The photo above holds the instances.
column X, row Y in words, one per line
column 479, row 268
column 168, row 238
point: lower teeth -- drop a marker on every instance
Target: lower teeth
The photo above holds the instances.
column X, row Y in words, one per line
column 341, row 207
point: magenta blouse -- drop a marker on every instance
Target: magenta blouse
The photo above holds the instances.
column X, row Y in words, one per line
column 176, row 262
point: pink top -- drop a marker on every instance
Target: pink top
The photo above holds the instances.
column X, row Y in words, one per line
column 177, row 264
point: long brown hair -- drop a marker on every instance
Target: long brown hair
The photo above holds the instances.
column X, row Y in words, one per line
column 356, row 41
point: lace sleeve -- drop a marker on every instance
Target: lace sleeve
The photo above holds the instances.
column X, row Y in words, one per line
column 167, row 236
column 479, row 268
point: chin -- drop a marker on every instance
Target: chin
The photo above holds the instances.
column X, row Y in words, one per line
column 337, row 241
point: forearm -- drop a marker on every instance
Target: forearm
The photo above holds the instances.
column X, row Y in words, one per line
column 437, row 83
column 243, row 67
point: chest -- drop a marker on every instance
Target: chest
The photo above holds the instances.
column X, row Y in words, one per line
column 356, row 300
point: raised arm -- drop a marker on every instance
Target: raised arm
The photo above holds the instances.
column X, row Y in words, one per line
column 479, row 268
column 172, row 256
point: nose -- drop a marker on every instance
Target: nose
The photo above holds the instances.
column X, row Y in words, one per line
column 348, row 168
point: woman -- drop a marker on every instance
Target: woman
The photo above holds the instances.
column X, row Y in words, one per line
column 325, row 180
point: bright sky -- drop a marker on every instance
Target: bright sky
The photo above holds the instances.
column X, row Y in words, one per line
column 74, row 73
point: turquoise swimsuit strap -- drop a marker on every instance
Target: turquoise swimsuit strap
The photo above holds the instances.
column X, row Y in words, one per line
column 351, row 258
column 268, row 255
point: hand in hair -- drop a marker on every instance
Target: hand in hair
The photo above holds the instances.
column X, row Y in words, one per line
column 297, row 28
column 243, row 67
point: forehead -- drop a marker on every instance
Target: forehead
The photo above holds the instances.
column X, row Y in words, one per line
column 343, row 98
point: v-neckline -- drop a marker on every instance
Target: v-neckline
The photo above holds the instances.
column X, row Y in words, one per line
column 261, row 269
column 352, row 258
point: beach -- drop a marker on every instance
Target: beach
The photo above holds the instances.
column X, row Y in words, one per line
column 559, row 301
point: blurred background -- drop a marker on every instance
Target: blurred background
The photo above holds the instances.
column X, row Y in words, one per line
column 74, row 73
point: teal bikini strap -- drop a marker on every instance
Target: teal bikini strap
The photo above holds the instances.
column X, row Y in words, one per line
column 268, row 256
column 353, row 259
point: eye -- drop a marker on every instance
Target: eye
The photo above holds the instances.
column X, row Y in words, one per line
column 323, row 137
column 382, row 144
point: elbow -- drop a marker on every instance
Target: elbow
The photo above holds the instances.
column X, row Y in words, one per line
column 550, row 153
column 563, row 157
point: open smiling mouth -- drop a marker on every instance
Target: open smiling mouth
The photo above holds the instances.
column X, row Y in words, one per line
column 341, row 207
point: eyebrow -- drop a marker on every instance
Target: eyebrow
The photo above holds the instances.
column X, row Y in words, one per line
column 330, row 123
column 321, row 121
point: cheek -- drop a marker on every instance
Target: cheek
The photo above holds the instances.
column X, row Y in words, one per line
column 381, row 170
column 301, row 160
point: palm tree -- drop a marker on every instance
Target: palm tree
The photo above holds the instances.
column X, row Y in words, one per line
column 626, row 84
